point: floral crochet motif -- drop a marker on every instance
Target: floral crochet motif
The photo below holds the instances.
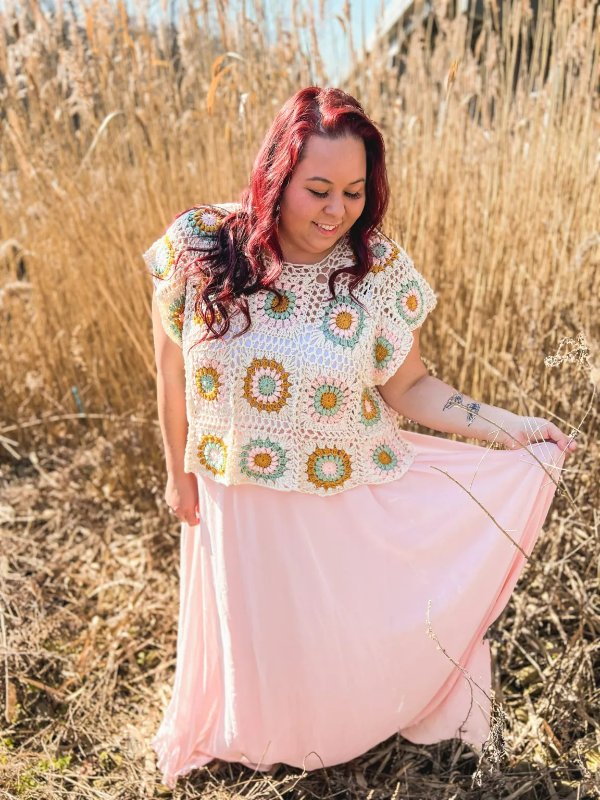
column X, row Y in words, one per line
column 410, row 302
column 263, row 459
column 212, row 453
column 280, row 309
column 343, row 321
column 327, row 399
column 370, row 410
column 328, row 467
column 384, row 457
column 383, row 350
column 176, row 312
column 293, row 404
column 266, row 385
column 384, row 253
column 208, row 382
column 205, row 221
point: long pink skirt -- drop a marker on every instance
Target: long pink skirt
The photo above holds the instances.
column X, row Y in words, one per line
column 312, row 628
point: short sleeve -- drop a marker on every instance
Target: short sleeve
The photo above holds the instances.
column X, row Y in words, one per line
column 402, row 298
column 166, row 258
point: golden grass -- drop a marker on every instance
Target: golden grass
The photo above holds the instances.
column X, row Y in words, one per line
column 105, row 134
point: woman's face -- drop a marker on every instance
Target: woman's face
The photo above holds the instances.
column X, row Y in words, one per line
column 327, row 188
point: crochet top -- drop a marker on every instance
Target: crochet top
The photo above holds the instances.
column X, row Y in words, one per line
column 292, row 404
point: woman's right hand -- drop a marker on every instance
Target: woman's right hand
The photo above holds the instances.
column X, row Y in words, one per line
column 181, row 496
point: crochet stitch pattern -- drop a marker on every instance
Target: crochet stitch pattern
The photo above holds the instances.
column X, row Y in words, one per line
column 292, row 404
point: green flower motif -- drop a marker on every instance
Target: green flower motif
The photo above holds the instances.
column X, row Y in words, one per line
column 263, row 458
column 205, row 221
column 410, row 302
column 280, row 309
column 165, row 258
column 212, row 454
column 266, row 385
column 343, row 321
column 384, row 253
column 208, row 382
column 384, row 457
column 328, row 467
column 383, row 350
column 328, row 400
column 370, row 411
column 175, row 315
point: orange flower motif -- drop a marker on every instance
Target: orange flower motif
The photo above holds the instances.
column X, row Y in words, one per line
column 267, row 384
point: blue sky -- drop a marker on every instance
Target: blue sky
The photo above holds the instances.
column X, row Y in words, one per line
column 333, row 45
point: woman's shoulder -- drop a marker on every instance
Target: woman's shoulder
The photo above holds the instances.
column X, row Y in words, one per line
column 388, row 255
column 402, row 288
column 191, row 230
column 202, row 221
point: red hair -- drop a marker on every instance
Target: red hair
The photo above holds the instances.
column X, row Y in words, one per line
column 234, row 267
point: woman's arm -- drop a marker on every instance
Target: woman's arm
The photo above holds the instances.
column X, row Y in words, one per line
column 181, row 492
column 419, row 396
column 170, row 394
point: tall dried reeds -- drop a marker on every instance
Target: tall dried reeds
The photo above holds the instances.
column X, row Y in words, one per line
column 109, row 125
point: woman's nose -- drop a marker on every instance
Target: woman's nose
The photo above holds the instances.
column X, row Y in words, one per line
column 335, row 208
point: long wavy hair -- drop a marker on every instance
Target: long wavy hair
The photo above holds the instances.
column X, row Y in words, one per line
column 234, row 268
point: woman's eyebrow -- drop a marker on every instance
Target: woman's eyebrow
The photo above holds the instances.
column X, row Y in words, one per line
column 326, row 180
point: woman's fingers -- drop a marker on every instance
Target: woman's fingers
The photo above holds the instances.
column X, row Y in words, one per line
column 554, row 434
column 181, row 495
column 538, row 429
column 565, row 442
column 193, row 517
column 187, row 515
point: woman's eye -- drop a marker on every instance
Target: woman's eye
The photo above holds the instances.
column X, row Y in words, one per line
column 352, row 195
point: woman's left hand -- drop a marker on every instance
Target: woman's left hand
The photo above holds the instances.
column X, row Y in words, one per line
column 522, row 431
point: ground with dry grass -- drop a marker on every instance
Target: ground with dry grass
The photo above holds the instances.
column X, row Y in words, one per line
column 108, row 129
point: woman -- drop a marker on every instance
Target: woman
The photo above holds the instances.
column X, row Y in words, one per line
column 338, row 573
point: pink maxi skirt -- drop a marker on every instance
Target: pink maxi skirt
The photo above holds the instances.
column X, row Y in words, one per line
column 312, row 628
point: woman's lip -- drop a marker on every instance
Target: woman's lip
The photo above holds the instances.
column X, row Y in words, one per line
column 325, row 232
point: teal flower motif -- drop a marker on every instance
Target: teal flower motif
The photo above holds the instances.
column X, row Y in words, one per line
column 266, row 385
column 327, row 399
column 410, row 302
column 208, row 380
column 212, row 454
column 383, row 351
column 384, row 254
column 263, row 458
column 205, row 221
column 384, row 457
column 208, row 384
column 328, row 467
column 278, row 309
column 343, row 321
column 370, row 410
column 164, row 258
column 175, row 316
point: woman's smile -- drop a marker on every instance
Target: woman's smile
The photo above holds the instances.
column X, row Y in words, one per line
column 329, row 230
column 323, row 199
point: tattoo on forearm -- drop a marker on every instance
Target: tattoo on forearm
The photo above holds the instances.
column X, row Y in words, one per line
column 457, row 400
column 472, row 410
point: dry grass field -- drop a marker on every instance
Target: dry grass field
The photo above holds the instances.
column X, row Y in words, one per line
column 108, row 128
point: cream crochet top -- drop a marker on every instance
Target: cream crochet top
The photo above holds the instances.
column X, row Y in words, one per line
column 292, row 404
